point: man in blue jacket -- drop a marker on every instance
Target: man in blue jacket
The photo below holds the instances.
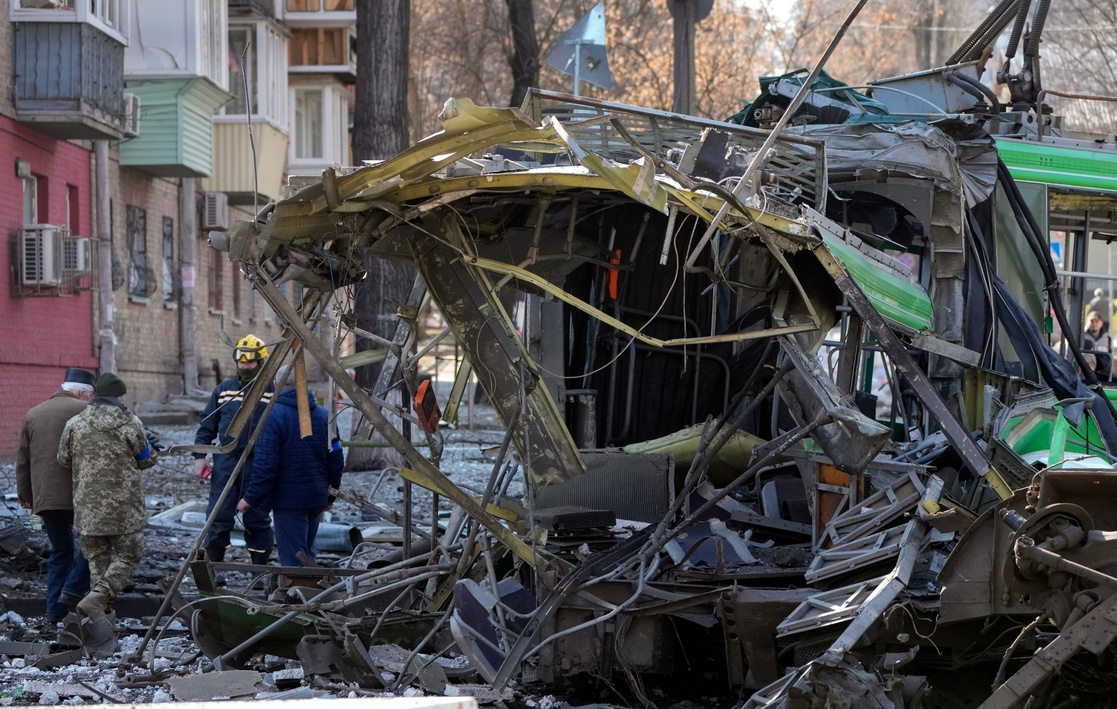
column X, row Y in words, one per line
column 224, row 402
column 292, row 475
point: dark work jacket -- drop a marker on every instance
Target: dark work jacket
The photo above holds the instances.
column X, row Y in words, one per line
column 293, row 473
column 223, row 405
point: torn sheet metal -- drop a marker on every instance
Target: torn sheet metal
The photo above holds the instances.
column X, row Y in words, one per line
column 226, row 685
column 851, row 439
column 912, row 148
column 711, row 545
column 889, row 285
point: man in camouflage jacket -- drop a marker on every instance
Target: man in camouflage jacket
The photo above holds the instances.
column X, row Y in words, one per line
column 105, row 447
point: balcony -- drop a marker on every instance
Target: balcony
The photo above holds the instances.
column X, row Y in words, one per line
column 233, row 171
column 175, row 127
column 323, row 50
column 68, row 79
column 319, row 13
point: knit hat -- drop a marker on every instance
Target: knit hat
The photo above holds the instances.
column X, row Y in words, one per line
column 108, row 384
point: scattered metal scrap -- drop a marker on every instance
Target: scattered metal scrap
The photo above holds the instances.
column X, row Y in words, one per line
column 728, row 503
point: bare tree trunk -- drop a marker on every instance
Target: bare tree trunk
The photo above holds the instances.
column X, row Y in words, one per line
column 380, row 119
column 524, row 60
column 380, row 130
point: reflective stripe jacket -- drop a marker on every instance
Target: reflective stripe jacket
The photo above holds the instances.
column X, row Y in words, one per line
column 214, row 420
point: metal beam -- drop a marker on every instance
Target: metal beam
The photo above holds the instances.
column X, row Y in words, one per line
column 958, row 436
column 497, row 354
column 371, row 411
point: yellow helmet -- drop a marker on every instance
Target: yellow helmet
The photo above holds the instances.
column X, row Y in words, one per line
column 250, row 348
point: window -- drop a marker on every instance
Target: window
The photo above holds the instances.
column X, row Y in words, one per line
column 319, row 126
column 319, row 5
column 107, row 15
column 170, row 282
column 216, row 286
column 72, row 219
column 213, row 47
column 308, row 124
column 141, row 281
column 242, row 63
column 258, row 59
column 30, row 200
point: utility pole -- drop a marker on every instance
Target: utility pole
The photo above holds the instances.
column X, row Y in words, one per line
column 686, row 14
column 187, row 310
column 104, row 258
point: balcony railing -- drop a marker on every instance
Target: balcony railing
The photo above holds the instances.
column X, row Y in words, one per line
column 68, row 79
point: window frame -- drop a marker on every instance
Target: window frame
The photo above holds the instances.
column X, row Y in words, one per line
column 334, row 119
column 170, row 286
column 136, row 225
column 99, row 14
column 267, row 75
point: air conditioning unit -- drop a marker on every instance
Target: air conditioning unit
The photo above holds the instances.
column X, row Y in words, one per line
column 40, row 255
column 215, row 211
column 131, row 114
column 76, row 256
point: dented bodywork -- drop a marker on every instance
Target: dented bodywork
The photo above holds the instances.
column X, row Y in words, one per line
column 686, row 391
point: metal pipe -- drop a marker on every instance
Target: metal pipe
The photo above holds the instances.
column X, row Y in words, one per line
column 430, row 346
column 1026, row 549
column 486, row 497
column 420, row 645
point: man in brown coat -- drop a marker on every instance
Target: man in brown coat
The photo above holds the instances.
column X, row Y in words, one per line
column 47, row 489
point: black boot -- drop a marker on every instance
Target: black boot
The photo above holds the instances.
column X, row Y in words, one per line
column 216, row 553
column 260, row 558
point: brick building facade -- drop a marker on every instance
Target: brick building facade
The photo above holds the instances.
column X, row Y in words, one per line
column 176, row 139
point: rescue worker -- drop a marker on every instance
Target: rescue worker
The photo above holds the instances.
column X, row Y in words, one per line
column 47, row 489
column 1100, row 304
column 1096, row 336
column 105, row 446
column 249, row 355
column 293, row 474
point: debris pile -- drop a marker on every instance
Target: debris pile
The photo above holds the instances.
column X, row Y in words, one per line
column 695, row 493
column 710, row 494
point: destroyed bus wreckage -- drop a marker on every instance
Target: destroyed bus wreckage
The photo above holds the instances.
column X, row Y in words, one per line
column 709, row 488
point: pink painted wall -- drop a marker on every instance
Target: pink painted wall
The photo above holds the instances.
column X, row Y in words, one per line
column 40, row 336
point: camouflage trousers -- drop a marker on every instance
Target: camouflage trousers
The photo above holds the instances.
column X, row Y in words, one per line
column 113, row 560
